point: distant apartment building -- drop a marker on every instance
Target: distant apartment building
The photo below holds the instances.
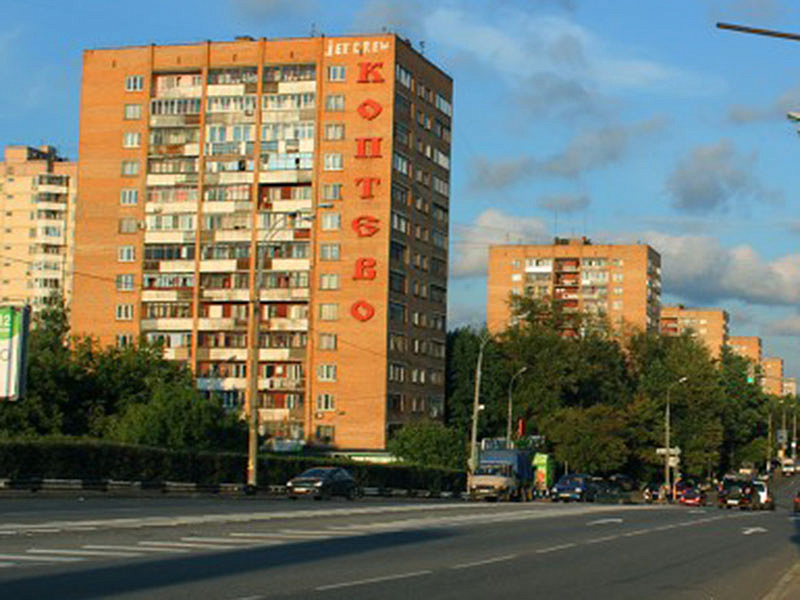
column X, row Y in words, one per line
column 307, row 176
column 622, row 282
column 709, row 325
column 38, row 192
column 746, row 346
column 772, row 378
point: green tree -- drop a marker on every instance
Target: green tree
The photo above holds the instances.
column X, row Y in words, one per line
column 430, row 444
column 589, row 439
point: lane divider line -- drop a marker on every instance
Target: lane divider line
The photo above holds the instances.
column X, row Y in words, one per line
column 555, row 548
column 487, row 561
column 335, row 586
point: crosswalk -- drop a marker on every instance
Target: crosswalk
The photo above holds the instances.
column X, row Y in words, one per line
column 238, row 540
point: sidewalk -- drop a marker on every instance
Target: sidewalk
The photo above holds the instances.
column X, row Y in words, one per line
column 788, row 588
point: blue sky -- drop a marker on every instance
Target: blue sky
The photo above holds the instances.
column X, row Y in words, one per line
column 620, row 120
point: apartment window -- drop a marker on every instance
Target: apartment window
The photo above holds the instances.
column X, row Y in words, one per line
column 333, row 161
column 329, row 281
column 130, row 168
column 400, row 163
column 131, row 139
column 126, row 254
column 397, row 312
column 124, row 339
column 128, row 225
column 397, row 342
column 403, row 76
column 328, row 312
column 617, row 305
column 397, row 372
column 331, row 221
column 334, row 102
column 330, row 251
column 133, row 112
column 332, row 191
column 325, row 433
column 618, row 277
column 400, row 223
column 325, row 402
column 128, row 196
column 134, row 83
column 124, row 283
column 334, row 131
column 326, row 372
column 327, row 341
column 336, row 73
column 618, row 291
column 124, row 312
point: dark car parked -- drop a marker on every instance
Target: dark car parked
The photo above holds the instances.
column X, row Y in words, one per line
column 323, row 482
column 574, row 486
column 738, row 494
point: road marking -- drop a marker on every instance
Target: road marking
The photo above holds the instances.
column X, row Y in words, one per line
column 9, row 532
column 697, row 511
column 555, row 548
column 636, row 532
column 82, row 552
column 281, row 536
column 3, row 565
column 488, row 561
column 324, row 533
column 159, row 544
column 607, row 538
column 604, row 521
column 133, row 548
column 664, row 527
column 40, row 558
column 44, row 530
column 334, row 586
column 752, row 530
column 221, row 540
column 81, row 528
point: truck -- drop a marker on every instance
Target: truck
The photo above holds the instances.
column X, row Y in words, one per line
column 502, row 475
column 544, row 473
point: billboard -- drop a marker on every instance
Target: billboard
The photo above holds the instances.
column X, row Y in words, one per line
column 14, row 322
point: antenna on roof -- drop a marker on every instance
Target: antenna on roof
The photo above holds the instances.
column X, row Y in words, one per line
column 313, row 32
column 422, row 47
column 384, row 29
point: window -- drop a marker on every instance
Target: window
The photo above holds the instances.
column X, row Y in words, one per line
column 131, row 139
column 124, row 312
column 331, row 221
column 397, row 372
column 400, row 163
column 336, row 73
column 128, row 225
column 128, row 196
column 397, row 312
column 443, row 105
column 130, row 168
column 329, row 281
column 124, row 339
column 328, row 312
column 334, row 102
column 334, row 131
column 326, row 372
column 397, row 282
column 400, row 223
column 397, row 342
column 403, row 76
column 329, row 251
column 327, row 341
column 124, row 283
column 325, row 433
column 126, row 254
column 333, row 161
column 332, row 191
column 134, row 83
column 133, row 112
column 325, row 402
column 618, row 277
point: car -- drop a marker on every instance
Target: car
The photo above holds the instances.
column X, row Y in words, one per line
column 739, row 494
column 796, row 503
column 693, row 496
column 574, row 486
column 323, row 483
column 765, row 499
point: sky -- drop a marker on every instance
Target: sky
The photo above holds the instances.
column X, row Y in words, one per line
column 625, row 121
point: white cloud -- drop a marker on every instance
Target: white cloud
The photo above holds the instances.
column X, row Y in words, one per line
column 470, row 250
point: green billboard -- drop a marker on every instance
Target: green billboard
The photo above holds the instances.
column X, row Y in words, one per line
column 14, row 322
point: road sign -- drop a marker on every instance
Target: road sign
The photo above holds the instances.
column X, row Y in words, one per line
column 674, row 461
column 675, row 451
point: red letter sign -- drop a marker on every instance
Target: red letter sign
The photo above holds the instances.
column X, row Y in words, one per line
column 369, row 72
column 369, row 109
column 362, row 310
column 368, row 147
column 365, row 268
column 365, row 186
column 366, row 225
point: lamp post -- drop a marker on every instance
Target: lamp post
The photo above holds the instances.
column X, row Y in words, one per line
column 510, row 389
column 667, row 482
column 473, row 447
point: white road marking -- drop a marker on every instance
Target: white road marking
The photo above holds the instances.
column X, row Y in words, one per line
column 320, row 533
column 221, row 540
column 607, row 538
column 636, row 532
column 555, row 548
column 44, row 530
column 488, row 561
column 697, row 511
column 57, row 552
column 334, row 586
column 159, row 544
column 664, row 527
column 752, row 530
column 133, row 548
column 9, row 532
column 79, row 528
column 40, row 558
column 604, row 521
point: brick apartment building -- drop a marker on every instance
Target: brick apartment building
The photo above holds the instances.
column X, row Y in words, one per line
column 38, row 191
column 748, row 346
column 772, row 378
column 622, row 282
column 709, row 325
column 328, row 160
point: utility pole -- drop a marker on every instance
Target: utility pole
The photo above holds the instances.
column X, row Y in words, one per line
column 510, row 389
column 667, row 440
column 473, row 448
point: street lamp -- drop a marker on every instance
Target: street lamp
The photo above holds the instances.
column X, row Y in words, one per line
column 473, row 448
column 668, row 453
column 510, row 389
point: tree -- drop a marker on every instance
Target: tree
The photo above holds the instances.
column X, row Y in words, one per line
column 589, row 439
column 430, row 444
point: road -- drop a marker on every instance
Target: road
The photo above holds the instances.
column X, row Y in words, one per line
column 241, row 549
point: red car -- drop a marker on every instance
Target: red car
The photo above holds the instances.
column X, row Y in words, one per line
column 693, row 497
column 797, row 503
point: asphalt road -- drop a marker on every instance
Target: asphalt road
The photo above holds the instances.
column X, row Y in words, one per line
column 250, row 549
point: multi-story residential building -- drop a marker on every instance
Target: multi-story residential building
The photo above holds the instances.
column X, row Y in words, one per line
column 748, row 346
column 38, row 191
column 709, row 325
column 772, row 379
column 328, row 160
column 622, row 282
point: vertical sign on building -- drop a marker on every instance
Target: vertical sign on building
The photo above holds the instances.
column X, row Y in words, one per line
column 14, row 321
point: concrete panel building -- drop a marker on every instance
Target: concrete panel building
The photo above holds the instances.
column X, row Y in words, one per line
column 772, row 378
column 38, row 193
column 622, row 282
column 309, row 177
column 748, row 346
column 709, row 325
